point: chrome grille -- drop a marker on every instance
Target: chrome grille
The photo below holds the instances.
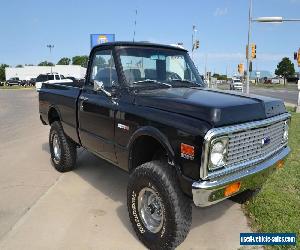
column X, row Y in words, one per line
column 247, row 145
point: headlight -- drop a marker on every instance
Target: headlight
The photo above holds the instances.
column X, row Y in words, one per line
column 286, row 131
column 218, row 152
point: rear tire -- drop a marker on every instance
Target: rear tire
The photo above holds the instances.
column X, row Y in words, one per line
column 62, row 149
column 162, row 218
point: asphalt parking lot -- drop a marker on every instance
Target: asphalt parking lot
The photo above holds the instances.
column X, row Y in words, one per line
column 83, row 209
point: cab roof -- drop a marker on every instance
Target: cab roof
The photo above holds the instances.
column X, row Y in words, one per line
column 142, row 44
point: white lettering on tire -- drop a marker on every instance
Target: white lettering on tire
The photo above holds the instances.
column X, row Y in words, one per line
column 134, row 212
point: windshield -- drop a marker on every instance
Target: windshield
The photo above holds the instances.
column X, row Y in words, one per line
column 162, row 67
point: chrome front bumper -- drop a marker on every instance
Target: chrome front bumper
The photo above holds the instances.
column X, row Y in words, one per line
column 209, row 192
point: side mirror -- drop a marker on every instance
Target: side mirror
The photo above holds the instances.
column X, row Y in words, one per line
column 99, row 86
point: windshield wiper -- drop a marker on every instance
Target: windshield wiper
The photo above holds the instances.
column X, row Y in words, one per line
column 153, row 81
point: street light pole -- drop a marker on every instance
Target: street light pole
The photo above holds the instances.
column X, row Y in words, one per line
column 248, row 47
column 50, row 47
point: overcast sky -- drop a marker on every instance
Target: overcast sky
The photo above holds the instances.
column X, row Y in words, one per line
column 28, row 26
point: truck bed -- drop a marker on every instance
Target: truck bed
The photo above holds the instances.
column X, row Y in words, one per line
column 63, row 98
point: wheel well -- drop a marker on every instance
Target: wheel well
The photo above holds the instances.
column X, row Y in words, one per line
column 144, row 149
column 53, row 115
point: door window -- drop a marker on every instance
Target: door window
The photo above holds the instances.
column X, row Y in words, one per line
column 103, row 69
column 50, row 77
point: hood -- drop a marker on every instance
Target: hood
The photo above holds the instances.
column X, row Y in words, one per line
column 216, row 107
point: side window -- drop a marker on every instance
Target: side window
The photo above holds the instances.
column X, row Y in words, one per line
column 57, row 77
column 50, row 77
column 103, row 69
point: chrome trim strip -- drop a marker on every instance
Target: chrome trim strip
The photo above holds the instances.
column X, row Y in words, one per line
column 60, row 85
column 203, row 191
column 216, row 132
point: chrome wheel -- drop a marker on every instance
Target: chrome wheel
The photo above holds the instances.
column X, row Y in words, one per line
column 56, row 148
column 150, row 209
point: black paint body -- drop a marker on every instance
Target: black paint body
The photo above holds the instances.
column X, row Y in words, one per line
column 172, row 116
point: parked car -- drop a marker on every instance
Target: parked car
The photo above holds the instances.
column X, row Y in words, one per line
column 32, row 81
column 275, row 80
column 14, row 81
column 267, row 81
column 50, row 78
column 236, row 84
column 179, row 141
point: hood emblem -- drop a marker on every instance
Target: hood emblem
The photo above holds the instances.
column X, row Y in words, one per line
column 265, row 141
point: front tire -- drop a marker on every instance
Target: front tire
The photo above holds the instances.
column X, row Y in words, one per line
column 62, row 149
column 160, row 213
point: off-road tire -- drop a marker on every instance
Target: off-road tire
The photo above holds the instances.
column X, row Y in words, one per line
column 68, row 149
column 177, row 209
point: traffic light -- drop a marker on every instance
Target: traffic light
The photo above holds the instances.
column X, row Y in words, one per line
column 196, row 45
column 253, row 51
column 295, row 56
column 241, row 68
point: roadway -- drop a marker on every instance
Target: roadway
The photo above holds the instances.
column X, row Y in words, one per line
column 84, row 209
column 289, row 96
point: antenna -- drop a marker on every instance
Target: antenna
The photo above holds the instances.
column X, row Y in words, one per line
column 134, row 25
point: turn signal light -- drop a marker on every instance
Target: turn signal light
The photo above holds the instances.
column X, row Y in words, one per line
column 280, row 164
column 232, row 188
column 187, row 149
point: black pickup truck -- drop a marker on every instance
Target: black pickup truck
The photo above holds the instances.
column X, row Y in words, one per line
column 144, row 108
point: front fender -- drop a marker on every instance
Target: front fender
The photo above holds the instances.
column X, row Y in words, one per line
column 156, row 134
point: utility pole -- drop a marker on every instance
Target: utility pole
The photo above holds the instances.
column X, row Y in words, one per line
column 297, row 58
column 50, row 47
column 205, row 67
column 134, row 29
column 193, row 40
column 248, row 47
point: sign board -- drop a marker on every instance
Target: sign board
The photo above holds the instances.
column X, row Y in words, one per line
column 257, row 74
column 101, row 38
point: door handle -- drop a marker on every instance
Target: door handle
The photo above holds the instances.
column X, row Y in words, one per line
column 83, row 98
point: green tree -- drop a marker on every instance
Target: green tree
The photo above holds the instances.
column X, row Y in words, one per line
column 219, row 77
column 19, row 66
column 80, row 60
column 2, row 71
column 45, row 63
column 64, row 61
column 285, row 68
column 99, row 61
